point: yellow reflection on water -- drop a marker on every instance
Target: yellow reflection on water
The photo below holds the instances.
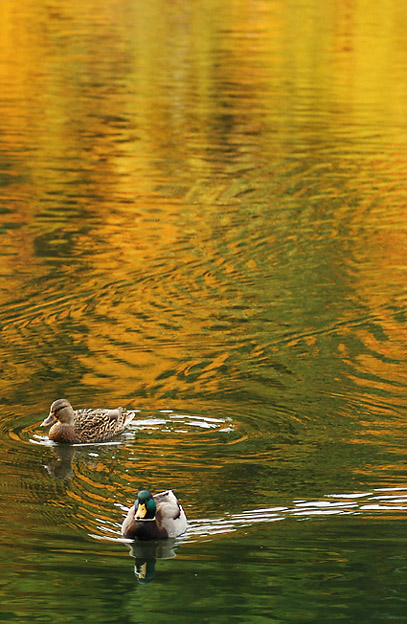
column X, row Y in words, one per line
column 153, row 161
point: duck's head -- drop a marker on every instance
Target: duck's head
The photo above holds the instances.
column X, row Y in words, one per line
column 145, row 506
column 61, row 410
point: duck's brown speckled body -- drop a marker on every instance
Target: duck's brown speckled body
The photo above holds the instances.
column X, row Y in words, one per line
column 154, row 517
column 84, row 426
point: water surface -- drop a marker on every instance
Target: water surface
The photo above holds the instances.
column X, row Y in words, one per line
column 202, row 217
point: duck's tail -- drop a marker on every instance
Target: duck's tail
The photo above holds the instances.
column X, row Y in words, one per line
column 128, row 417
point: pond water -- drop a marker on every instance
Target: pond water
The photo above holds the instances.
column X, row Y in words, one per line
column 203, row 212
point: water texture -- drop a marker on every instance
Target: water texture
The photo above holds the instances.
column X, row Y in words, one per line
column 203, row 218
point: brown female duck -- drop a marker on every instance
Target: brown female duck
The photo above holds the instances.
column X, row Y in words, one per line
column 154, row 517
column 85, row 425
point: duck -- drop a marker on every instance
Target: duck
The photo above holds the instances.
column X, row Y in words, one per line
column 154, row 517
column 85, row 426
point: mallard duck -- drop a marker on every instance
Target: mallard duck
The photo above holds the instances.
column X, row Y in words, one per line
column 85, row 425
column 154, row 517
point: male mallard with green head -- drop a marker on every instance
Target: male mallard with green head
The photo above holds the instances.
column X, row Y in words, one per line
column 85, row 425
column 154, row 517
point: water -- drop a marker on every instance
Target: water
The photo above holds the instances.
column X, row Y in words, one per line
column 202, row 217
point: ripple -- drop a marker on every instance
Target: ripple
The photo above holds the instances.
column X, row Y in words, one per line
column 98, row 477
column 378, row 501
column 350, row 504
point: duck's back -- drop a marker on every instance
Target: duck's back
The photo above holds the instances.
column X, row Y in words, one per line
column 170, row 513
column 99, row 425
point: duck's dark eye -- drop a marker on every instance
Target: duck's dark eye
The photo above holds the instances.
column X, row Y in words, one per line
column 58, row 409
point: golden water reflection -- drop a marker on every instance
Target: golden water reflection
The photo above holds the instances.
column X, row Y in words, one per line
column 205, row 203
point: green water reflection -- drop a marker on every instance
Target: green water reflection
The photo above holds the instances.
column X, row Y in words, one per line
column 202, row 216
column 283, row 573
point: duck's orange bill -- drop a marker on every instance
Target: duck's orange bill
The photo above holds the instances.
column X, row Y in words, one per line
column 48, row 420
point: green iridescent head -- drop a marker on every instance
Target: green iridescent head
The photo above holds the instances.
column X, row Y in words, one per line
column 145, row 506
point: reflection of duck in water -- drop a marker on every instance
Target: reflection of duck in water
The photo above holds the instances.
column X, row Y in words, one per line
column 146, row 554
column 154, row 517
column 85, row 425
column 62, row 468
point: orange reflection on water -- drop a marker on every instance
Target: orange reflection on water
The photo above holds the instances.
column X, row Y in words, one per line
column 185, row 185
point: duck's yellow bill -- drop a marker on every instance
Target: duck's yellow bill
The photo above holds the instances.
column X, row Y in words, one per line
column 141, row 511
